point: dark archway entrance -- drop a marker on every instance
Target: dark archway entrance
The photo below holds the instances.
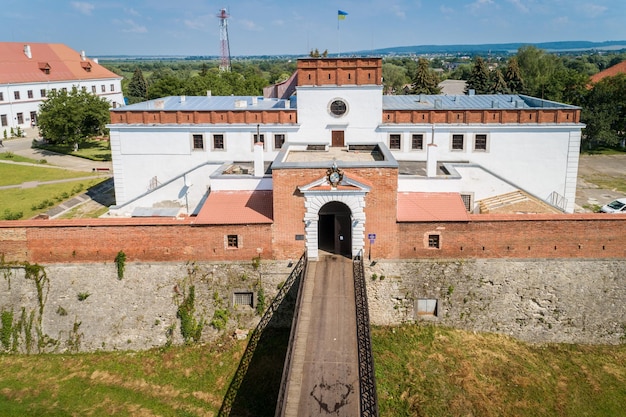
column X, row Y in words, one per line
column 334, row 229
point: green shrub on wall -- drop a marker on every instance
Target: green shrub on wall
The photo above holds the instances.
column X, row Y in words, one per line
column 120, row 263
column 190, row 327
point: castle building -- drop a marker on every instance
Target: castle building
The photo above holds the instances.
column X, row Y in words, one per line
column 336, row 165
column 29, row 71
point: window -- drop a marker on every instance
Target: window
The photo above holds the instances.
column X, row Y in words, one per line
column 243, row 299
column 93, row 89
column 458, row 142
column 3, row 120
column 30, row 93
column 480, row 142
column 42, row 92
column 54, row 90
column 198, row 142
column 338, row 107
column 427, row 307
column 417, row 142
column 33, row 118
column 20, row 118
column 433, row 241
column 394, row 141
column 103, row 88
column 64, row 90
column 112, row 87
column 1, row 96
column 83, row 88
column 232, row 241
column 16, row 94
column 279, row 140
column 218, row 141
column 467, row 200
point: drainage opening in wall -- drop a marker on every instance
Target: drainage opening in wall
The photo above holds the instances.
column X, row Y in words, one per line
column 243, row 298
column 426, row 307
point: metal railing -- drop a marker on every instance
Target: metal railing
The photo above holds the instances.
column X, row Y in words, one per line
column 557, row 200
column 367, row 379
column 282, row 393
column 235, row 384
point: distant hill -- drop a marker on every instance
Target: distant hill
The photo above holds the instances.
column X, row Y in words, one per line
column 498, row 47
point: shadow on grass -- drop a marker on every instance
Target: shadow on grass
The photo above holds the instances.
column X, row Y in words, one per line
column 258, row 394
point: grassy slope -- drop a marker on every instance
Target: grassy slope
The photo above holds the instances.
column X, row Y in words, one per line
column 421, row 371
column 431, row 371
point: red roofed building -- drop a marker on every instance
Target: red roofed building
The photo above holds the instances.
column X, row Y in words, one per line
column 609, row 72
column 29, row 71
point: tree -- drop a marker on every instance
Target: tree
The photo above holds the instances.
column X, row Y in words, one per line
column 72, row 117
column 137, row 87
column 497, row 83
column 394, row 78
column 513, row 78
column 538, row 69
column 425, row 81
column 479, row 78
column 604, row 112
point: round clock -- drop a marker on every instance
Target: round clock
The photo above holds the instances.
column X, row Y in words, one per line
column 334, row 177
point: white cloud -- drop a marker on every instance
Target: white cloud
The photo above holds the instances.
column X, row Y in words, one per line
column 83, row 7
column 592, row 10
column 199, row 23
column 131, row 12
column 398, row 12
column 446, row 10
column 130, row 26
column 278, row 22
column 250, row 25
column 519, row 4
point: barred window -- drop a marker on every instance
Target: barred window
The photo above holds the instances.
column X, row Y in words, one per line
column 417, row 142
column 232, row 241
column 198, row 142
column 243, row 299
column 458, row 142
column 218, row 141
column 480, row 142
column 394, row 141
column 279, row 140
column 433, row 241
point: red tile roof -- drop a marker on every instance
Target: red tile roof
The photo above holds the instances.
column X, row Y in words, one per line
column 609, row 72
column 423, row 207
column 64, row 63
column 237, row 207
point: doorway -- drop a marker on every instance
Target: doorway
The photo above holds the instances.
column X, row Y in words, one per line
column 334, row 231
column 337, row 139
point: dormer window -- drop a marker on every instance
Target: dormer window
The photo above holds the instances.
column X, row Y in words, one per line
column 86, row 66
column 45, row 67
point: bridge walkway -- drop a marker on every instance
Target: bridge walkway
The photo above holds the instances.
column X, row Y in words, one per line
column 323, row 376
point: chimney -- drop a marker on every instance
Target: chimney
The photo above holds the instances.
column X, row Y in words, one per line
column 183, row 99
column 82, row 55
column 27, row 51
column 208, row 93
column 431, row 160
column 259, row 169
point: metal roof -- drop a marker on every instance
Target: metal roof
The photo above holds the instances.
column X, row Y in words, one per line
column 468, row 102
column 208, row 103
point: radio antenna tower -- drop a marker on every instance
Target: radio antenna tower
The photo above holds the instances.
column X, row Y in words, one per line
column 225, row 46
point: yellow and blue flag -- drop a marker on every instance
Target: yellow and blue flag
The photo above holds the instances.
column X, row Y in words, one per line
column 341, row 15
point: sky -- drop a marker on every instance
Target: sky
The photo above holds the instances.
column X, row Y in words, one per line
column 295, row 27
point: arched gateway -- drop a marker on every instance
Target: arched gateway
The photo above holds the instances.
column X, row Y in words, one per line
column 334, row 220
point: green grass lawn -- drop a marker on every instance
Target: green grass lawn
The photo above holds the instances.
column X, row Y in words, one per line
column 10, row 156
column 93, row 149
column 421, row 371
column 32, row 201
column 14, row 174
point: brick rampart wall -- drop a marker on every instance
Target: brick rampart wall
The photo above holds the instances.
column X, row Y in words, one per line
column 484, row 236
column 101, row 240
column 482, row 116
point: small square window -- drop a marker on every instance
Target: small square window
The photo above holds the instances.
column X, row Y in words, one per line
column 16, row 95
column 458, row 142
column 218, row 141
column 243, row 299
column 198, row 142
column 427, row 307
column 30, row 93
column 42, row 92
column 93, row 89
column 394, row 141
column 417, row 142
column 480, row 142
column 232, row 241
column 258, row 138
column 279, row 140
column 112, row 87
column 433, row 241
column 103, row 88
